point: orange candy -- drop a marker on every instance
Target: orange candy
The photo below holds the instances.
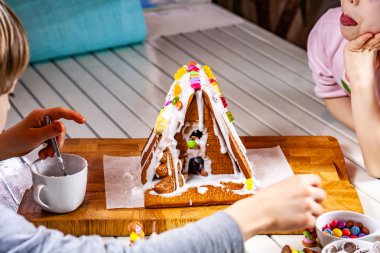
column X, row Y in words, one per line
column 191, row 63
column 178, row 105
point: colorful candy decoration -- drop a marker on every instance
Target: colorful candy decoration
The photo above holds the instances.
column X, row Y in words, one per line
column 178, row 105
column 224, row 101
column 175, row 100
column 180, row 73
column 208, row 72
column 177, row 89
column 230, row 116
column 249, row 184
column 345, row 229
column 310, row 238
column 161, row 123
column 192, row 144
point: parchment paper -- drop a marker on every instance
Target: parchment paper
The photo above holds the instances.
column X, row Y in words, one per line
column 124, row 189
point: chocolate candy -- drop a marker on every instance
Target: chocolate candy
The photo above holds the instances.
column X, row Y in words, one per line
column 349, row 223
column 334, row 223
column 327, row 231
column 345, row 229
column 337, row 232
column 341, row 224
column 358, row 224
column 355, row 230
column 350, row 247
column 197, row 134
column 365, row 230
column 346, row 232
column 196, row 165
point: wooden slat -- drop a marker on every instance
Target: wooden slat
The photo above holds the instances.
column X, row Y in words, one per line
column 122, row 91
column 48, row 97
column 96, row 119
column 275, row 41
column 23, row 101
column 127, row 122
column 271, row 52
column 261, row 112
column 155, row 94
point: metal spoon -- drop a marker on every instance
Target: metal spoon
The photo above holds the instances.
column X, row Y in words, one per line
column 56, row 149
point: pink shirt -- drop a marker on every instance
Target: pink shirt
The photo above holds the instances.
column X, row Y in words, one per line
column 325, row 52
column 325, row 48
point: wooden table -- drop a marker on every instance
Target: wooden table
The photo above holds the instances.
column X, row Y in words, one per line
column 317, row 155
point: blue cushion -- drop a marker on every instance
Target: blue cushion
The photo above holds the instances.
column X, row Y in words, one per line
column 58, row 28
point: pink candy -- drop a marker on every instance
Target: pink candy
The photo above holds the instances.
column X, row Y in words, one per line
column 196, row 86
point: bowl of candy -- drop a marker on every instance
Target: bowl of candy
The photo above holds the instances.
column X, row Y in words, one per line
column 352, row 246
column 338, row 225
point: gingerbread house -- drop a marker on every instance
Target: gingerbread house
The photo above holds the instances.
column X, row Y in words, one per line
column 194, row 155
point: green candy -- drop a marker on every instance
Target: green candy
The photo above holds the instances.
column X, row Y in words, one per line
column 191, row 144
column 175, row 100
column 230, row 116
column 308, row 235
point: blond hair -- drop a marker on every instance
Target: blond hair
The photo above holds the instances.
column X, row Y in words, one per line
column 14, row 48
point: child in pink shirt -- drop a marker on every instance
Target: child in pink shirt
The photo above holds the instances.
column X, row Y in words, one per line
column 343, row 56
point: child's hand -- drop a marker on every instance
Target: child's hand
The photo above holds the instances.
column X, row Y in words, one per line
column 32, row 132
column 291, row 204
column 361, row 59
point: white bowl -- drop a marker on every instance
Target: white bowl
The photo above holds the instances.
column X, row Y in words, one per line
column 372, row 225
column 338, row 244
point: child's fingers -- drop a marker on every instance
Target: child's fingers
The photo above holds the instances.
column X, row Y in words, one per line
column 61, row 137
column 65, row 113
column 318, row 194
column 359, row 42
column 372, row 43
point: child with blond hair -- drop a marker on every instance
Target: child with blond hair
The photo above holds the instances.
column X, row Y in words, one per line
column 343, row 51
column 290, row 204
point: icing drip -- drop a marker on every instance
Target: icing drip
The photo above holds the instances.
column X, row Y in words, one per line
column 200, row 105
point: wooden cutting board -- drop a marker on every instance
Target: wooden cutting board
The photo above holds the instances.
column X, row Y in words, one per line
column 319, row 155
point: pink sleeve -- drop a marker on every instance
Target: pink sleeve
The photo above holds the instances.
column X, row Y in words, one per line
column 319, row 63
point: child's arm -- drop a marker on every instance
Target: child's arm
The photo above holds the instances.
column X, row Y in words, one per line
column 362, row 66
column 290, row 204
column 31, row 132
column 340, row 108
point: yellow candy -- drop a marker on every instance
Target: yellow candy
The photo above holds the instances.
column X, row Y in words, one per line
column 161, row 123
column 180, row 73
column 177, row 90
column 337, row 232
column 294, row 250
column 249, row 184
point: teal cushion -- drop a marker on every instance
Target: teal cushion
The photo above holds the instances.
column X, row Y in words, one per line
column 58, row 28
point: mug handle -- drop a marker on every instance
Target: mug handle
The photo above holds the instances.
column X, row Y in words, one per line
column 36, row 196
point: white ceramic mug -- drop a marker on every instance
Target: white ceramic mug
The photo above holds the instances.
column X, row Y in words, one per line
column 55, row 192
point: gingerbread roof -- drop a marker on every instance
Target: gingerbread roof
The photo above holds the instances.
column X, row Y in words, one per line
column 192, row 82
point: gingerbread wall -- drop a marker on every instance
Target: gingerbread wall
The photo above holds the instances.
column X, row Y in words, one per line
column 221, row 163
